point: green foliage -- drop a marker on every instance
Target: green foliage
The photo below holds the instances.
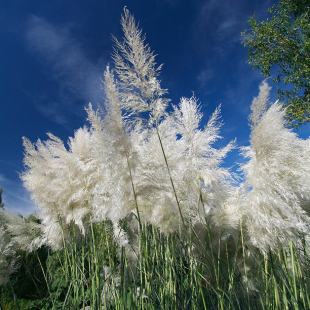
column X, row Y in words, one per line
column 28, row 282
column 53, row 280
column 178, row 271
column 283, row 42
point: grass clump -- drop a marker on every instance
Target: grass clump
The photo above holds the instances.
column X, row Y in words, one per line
column 169, row 273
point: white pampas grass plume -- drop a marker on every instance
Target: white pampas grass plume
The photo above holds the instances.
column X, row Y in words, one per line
column 61, row 181
column 136, row 68
column 276, row 178
column 26, row 235
column 16, row 234
column 8, row 257
column 201, row 169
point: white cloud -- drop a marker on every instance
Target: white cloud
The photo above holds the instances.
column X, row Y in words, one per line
column 225, row 20
column 77, row 76
column 15, row 197
column 228, row 24
column 51, row 111
column 228, row 20
column 204, row 76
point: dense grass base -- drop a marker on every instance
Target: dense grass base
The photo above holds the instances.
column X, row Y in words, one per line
column 177, row 271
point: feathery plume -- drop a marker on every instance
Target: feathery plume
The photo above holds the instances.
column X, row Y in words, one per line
column 276, row 178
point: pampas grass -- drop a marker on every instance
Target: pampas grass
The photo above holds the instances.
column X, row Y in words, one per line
column 138, row 212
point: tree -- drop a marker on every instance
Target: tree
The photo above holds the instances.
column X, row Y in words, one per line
column 283, row 42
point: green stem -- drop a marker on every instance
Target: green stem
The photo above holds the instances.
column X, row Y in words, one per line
column 133, row 189
column 172, row 184
column 82, row 273
column 95, row 284
column 246, row 277
column 14, row 296
column 35, row 284
column 1, row 306
column 49, row 292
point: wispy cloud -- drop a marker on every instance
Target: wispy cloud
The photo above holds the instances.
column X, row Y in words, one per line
column 77, row 76
column 231, row 19
column 224, row 26
column 224, row 21
column 15, row 197
column 204, row 76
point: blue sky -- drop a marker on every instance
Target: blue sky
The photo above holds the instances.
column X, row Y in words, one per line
column 53, row 54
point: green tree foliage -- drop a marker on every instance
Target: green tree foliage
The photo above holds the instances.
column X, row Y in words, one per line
column 283, row 42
